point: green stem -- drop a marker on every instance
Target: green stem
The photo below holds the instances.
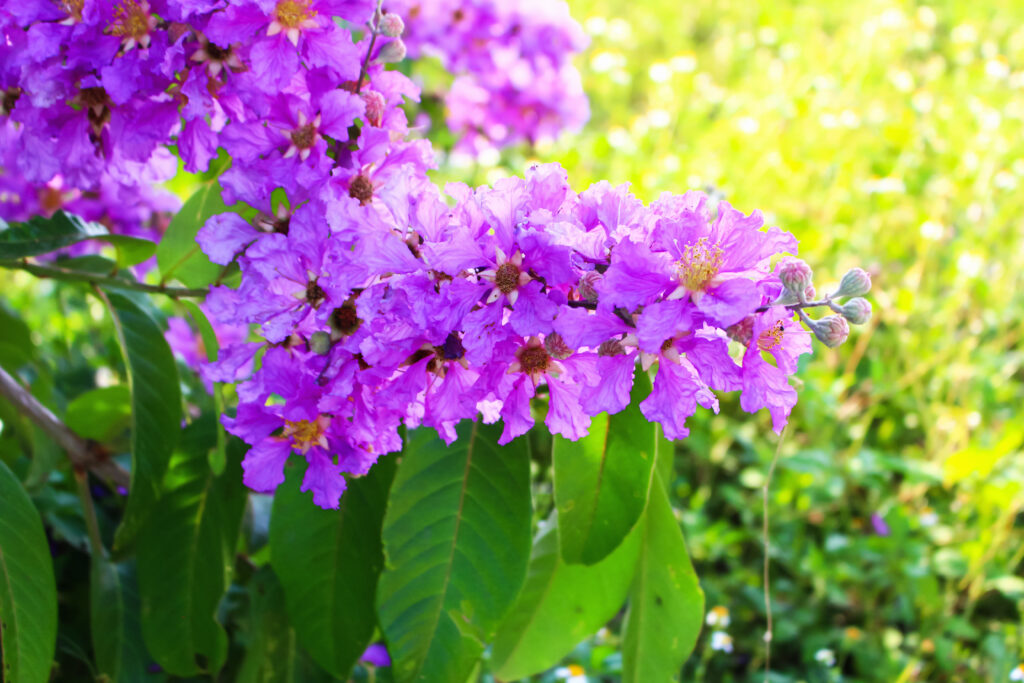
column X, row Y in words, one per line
column 58, row 273
column 91, row 523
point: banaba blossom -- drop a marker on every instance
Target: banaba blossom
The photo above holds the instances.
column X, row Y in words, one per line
column 369, row 301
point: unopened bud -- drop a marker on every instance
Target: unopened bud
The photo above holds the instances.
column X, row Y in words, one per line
column 856, row 282
column 856, row 310
column 320, row 342
column 588, row 285
column 375, row 104
column 832, row 330
column 556, row 346
column 795, row 275
column 391, row 25
column 392, row 52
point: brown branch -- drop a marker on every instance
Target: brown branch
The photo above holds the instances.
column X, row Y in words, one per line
column 84, row 454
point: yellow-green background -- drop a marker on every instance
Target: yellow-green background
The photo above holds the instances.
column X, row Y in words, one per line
column 884, row 135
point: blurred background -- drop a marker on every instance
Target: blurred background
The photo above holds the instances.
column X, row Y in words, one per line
column 883, row 135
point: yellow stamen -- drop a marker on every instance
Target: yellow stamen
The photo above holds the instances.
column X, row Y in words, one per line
column 131, row 21
column 699, row 264
column 769, row 339
column 305, row 434
column 292, row 13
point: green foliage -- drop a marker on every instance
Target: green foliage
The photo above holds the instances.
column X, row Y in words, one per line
column 328, row 562
column 601, row 481
column 28, row 595
column 560, row 604
column 178, row 254
column 666, row 604
column 186, row 556
column 41, row 235
column 156, row 404
column 456, row 545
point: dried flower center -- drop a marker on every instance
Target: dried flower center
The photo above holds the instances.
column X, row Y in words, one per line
column 131, row 20
column 315, row 294
column 699, row 264
column 304, row 433
column 10, row 98
column 304, row 136
column 362, row 189
column 291, row 13
column 506, row 279
column 769, row 339
column 216, row 53
column 533, row 359
column 345, row 319
column 93, row 97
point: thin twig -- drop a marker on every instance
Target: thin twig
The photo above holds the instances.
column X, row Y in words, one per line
column 78, row 275
column 89, row 511
column 84, row 455
column 364, row 70
column 767, row 561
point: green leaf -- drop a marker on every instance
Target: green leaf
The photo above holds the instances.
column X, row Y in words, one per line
column 601, row 480
column 186, row 553
column 40, row 235
column 114, row 617
column 328, row 562
column 560, row 605
column 272, row 653
column 101, row 414
column 156, row 406
column 28, row 592
column 178, row 253
column 666, row 603
column 457, row 542
column 211, row 346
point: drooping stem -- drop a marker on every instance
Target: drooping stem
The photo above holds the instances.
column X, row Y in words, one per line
column 767, row 561
column 59, row 273
column 84, row 455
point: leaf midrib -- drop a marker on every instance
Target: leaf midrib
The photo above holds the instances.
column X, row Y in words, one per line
column 451, row 555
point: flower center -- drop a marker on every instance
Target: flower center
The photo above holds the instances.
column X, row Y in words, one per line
column 304, row 136
column 314, row 294
column 292, row 13
column 699, row 264
column 74, row 9
column 769, row 339
column 131, row 21
column 304, row 433
column 533, row 360
column 362, row 189
column 345, row 319
column 506, row 279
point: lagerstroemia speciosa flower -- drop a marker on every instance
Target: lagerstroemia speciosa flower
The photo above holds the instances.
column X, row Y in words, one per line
column 379, row 301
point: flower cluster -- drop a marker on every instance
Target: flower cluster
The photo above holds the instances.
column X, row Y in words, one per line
column 514, row 80
column 380, row 302
column 399, row 309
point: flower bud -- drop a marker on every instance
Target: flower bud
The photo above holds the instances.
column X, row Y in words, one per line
column 856, row 282
column 588, row 285
column 832, row 330
column 795, row 275
column 320, row 342
column 856, row 310
column 556, row 346
column 391, row 25
column 375, row 105
column 393, row 52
